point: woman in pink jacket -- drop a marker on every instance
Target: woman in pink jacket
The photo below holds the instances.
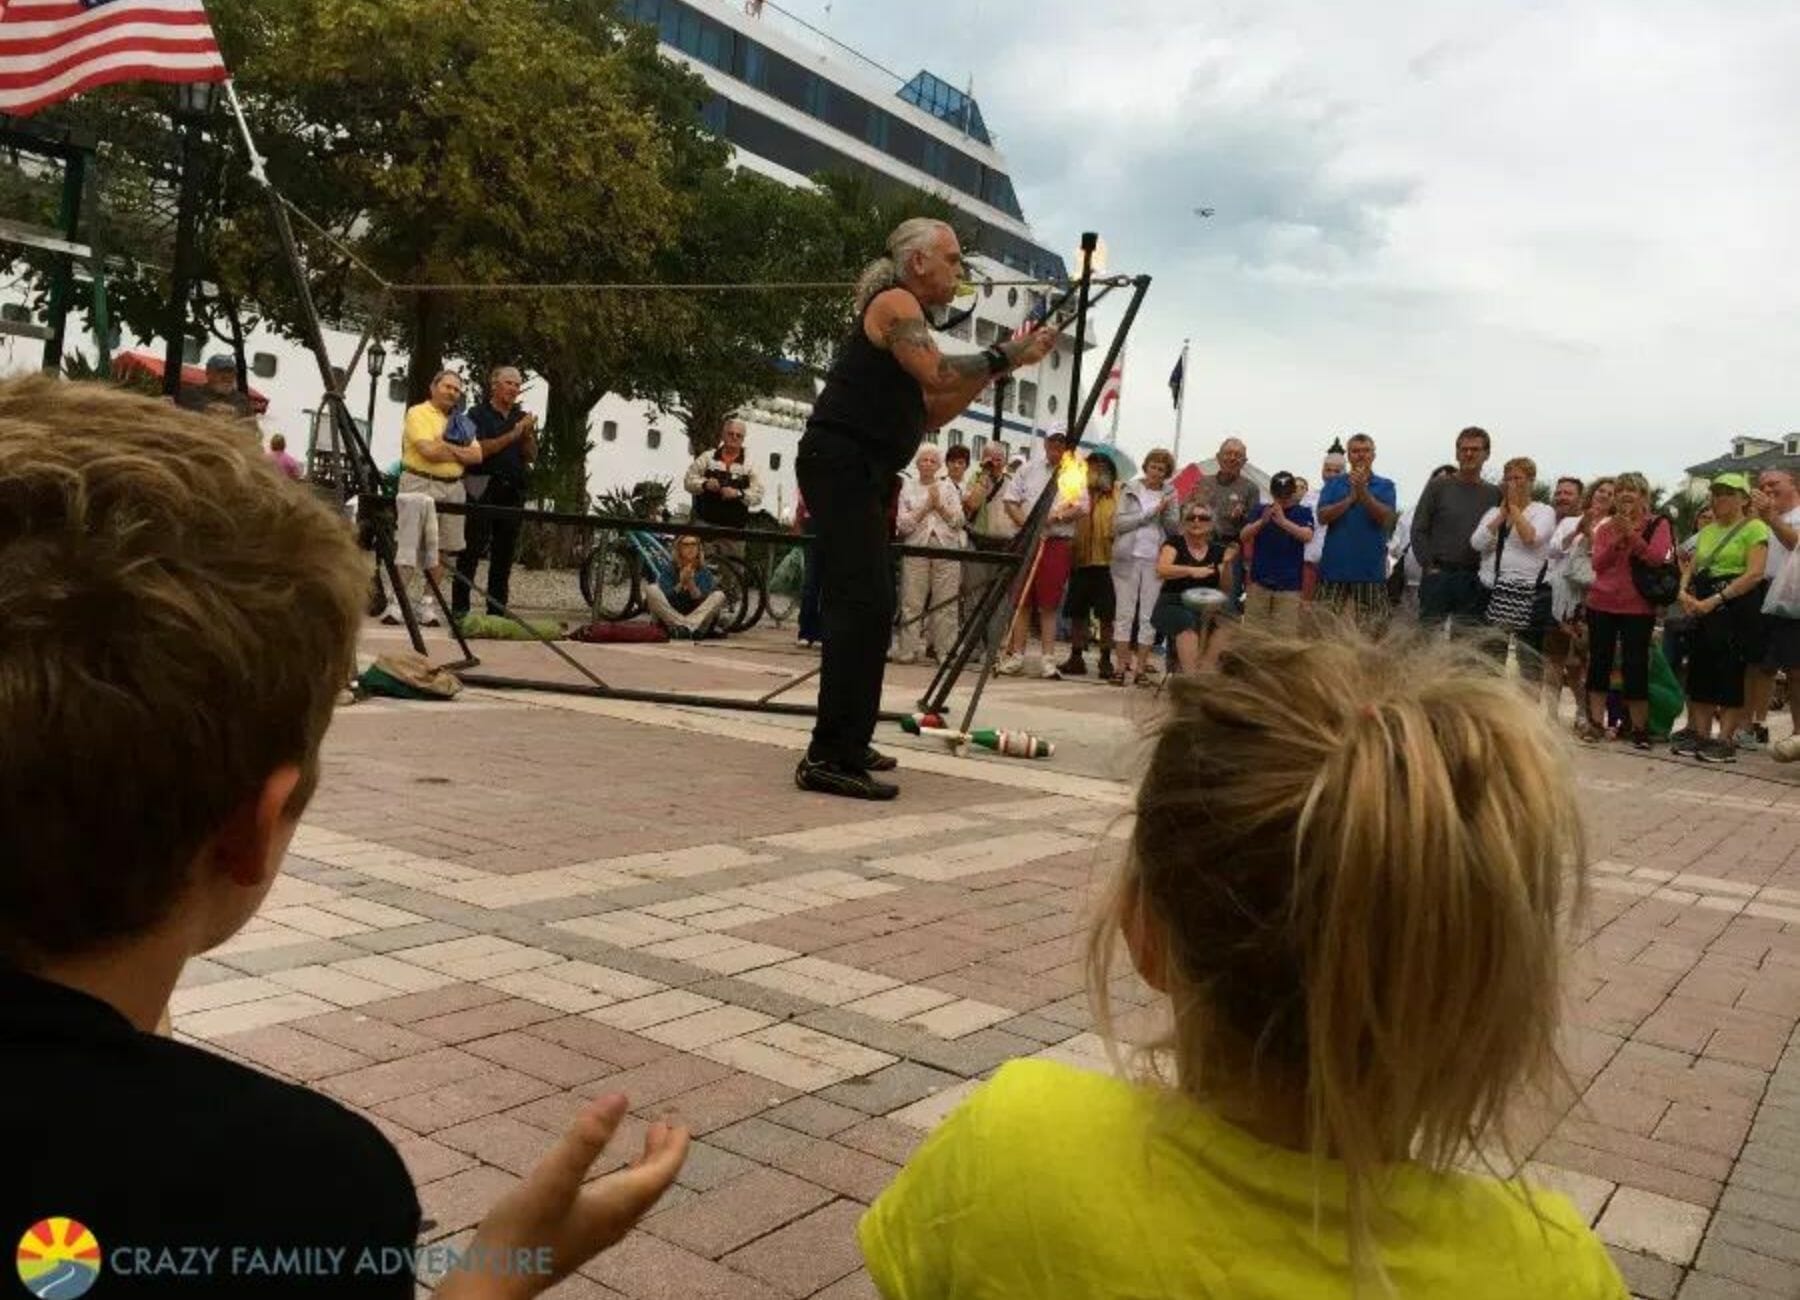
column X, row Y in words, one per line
column 1617, row 613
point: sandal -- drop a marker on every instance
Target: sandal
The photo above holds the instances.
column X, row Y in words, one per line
column 1124, row 677
column 1588, row 732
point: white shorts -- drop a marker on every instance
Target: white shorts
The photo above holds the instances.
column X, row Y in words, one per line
column 450, row 527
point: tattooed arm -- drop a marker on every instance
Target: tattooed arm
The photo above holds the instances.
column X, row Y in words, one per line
column 896, row 323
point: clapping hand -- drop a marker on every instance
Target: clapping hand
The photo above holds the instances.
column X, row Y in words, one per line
column 556, row 1210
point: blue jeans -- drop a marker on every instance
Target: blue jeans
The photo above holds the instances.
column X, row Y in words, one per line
column 1453, row 594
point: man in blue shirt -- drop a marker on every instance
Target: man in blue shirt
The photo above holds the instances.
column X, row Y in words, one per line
column 1359, row 509
column 1279, row 535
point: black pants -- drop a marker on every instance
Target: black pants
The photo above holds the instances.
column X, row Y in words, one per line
column 498, row 539
column 1454, row 594
column 846, row 497
column 1631, row 632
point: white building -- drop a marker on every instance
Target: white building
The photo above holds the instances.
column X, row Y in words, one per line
column 792, row 103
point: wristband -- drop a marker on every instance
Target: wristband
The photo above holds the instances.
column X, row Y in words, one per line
column 996, row 359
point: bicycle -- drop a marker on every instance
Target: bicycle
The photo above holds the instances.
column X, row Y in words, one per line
column 614, row 575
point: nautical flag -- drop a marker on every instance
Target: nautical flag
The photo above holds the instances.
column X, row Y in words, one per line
column 52, row 49
column 1177, row 377
column 1115, row 381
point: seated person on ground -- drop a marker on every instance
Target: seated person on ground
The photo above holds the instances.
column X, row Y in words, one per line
column 686, row 598
column 1193, row 558
column 1354, row 872
column 152, row 776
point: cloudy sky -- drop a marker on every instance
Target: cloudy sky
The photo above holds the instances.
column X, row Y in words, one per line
column 1575, row 222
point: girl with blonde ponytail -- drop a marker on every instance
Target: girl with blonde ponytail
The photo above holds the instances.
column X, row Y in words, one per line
column 1347, row 888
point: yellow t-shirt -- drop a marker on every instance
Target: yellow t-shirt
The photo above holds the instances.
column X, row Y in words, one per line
column 425, row 423
column 1053, row 1182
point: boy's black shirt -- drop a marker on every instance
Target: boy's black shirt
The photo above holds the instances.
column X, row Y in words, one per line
column 156, row 1144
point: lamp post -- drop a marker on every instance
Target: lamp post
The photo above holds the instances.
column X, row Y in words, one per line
column 193, row 100
column 377, row 363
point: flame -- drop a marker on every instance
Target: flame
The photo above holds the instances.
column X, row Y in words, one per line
column 1071, row 479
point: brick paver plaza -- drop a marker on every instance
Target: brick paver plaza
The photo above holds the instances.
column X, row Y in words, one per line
column 502, row 906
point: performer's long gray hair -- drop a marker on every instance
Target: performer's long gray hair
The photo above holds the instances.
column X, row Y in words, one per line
column 911, row 236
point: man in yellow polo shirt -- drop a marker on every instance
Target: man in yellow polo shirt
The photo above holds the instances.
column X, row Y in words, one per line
column 433, row 467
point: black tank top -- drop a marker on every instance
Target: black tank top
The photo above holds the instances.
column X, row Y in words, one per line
column 870, row 401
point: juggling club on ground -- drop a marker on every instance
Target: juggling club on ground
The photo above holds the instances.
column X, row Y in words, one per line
column 1014, row 744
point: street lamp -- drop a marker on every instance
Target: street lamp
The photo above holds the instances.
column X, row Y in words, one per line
column 377, row 363
column 193, row 101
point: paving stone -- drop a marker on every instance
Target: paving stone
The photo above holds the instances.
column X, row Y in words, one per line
column 541, row 1059
column 290, row 1052
column 708, row 1166
column 1707, row 1286
column 724, row 1101
column 771, row 1002
column 808, row 1254
column 729, row 1216
column 484, row 1021
column 498, row 1140
column 858, row 1286
column 603, row 1042
column 412, row 1007
column 815, row 1116
column 368, row 1036
column 406, row 936
column 1755, row 1235
column 888, row 1090
column 1651, row 1278
column 452, row 1103
column 1747, row 1267
column 315, row 952
column 645, row 1267
column 462, row 1199
column 374, row 1084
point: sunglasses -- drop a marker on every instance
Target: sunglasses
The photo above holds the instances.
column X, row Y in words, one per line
column 1205, row 519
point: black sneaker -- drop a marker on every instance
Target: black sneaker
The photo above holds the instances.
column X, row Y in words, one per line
column 1685, row 744
column 1762, row 735
column 835, row 778
column 1717, row 751
column 1640, row 739
column 873, row 760
column 1073, row 666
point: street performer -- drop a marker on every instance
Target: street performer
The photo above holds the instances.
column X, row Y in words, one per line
column 888, row 384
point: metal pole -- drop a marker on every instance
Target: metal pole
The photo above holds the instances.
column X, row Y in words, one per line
column 62, row 283
column 181, row 276
column 374, row 381
column 1090, row 240
column 365, row 474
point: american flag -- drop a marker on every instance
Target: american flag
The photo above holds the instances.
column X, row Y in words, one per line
column 52, row 49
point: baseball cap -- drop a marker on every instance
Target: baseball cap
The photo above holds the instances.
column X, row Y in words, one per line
column 1732, row 482
column 1282, row 484
column 222, row 361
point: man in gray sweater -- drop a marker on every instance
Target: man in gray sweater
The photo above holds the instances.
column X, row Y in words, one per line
column 1443, row 522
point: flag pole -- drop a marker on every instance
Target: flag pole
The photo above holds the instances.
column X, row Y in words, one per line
column 1181, row 404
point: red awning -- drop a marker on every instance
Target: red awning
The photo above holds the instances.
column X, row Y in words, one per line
column 127, row 364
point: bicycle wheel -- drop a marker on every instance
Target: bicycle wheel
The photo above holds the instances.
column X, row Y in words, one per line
column 609, row 583
column 735, row 583
column 756, row 597
column 785, row 586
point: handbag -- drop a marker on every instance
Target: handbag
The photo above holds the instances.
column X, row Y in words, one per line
column 1516, row 604
column 1703, row 583
column 1658, row 584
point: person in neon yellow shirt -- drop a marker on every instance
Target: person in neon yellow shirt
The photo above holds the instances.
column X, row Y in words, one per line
column 1348, row 884
column 432, row 467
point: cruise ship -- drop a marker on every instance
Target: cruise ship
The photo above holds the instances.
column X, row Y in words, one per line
column 793, row 103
